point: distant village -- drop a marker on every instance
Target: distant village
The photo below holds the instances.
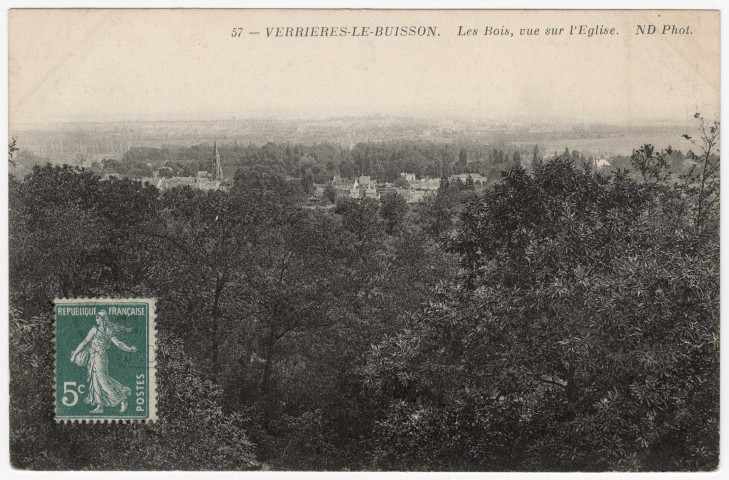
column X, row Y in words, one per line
column 412, row 189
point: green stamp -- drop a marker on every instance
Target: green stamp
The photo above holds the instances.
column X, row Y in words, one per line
column 105, row 360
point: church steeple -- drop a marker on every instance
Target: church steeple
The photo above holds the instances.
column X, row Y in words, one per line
column 217, row 168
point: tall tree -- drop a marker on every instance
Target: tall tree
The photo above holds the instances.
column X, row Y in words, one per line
column 701, row 182
column 536, row 158
column 393, row 210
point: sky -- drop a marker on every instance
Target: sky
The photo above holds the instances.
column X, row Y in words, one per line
column 119, row 65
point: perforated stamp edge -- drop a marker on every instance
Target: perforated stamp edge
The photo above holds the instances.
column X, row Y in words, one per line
column 151, row 358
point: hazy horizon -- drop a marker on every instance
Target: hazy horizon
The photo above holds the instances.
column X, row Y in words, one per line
column 562, row 122
column 177, row 64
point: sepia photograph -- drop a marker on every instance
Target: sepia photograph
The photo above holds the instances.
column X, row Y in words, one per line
column 363, row 240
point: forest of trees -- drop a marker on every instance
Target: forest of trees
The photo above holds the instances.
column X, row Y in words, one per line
column 562, row 319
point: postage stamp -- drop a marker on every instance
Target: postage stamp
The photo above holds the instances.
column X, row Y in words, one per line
column 105, row 360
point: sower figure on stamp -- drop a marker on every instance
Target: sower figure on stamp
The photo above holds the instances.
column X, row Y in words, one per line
column 103, row 391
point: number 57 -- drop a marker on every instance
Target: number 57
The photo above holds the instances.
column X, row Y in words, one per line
column 237, row 31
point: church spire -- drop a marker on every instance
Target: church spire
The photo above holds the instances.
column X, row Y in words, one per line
column 217, row 167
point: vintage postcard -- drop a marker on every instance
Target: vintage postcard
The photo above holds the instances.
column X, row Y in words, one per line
column 364, row 240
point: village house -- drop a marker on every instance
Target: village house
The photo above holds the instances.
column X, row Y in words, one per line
column 425, row 184
column 601, row 163
column 385, row 188
column 369, row 191
column 344, row 186
column 418, row 188
column 477, row 178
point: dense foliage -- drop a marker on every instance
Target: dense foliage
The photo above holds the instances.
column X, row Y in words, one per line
column 584, row 336
column 563, row 319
